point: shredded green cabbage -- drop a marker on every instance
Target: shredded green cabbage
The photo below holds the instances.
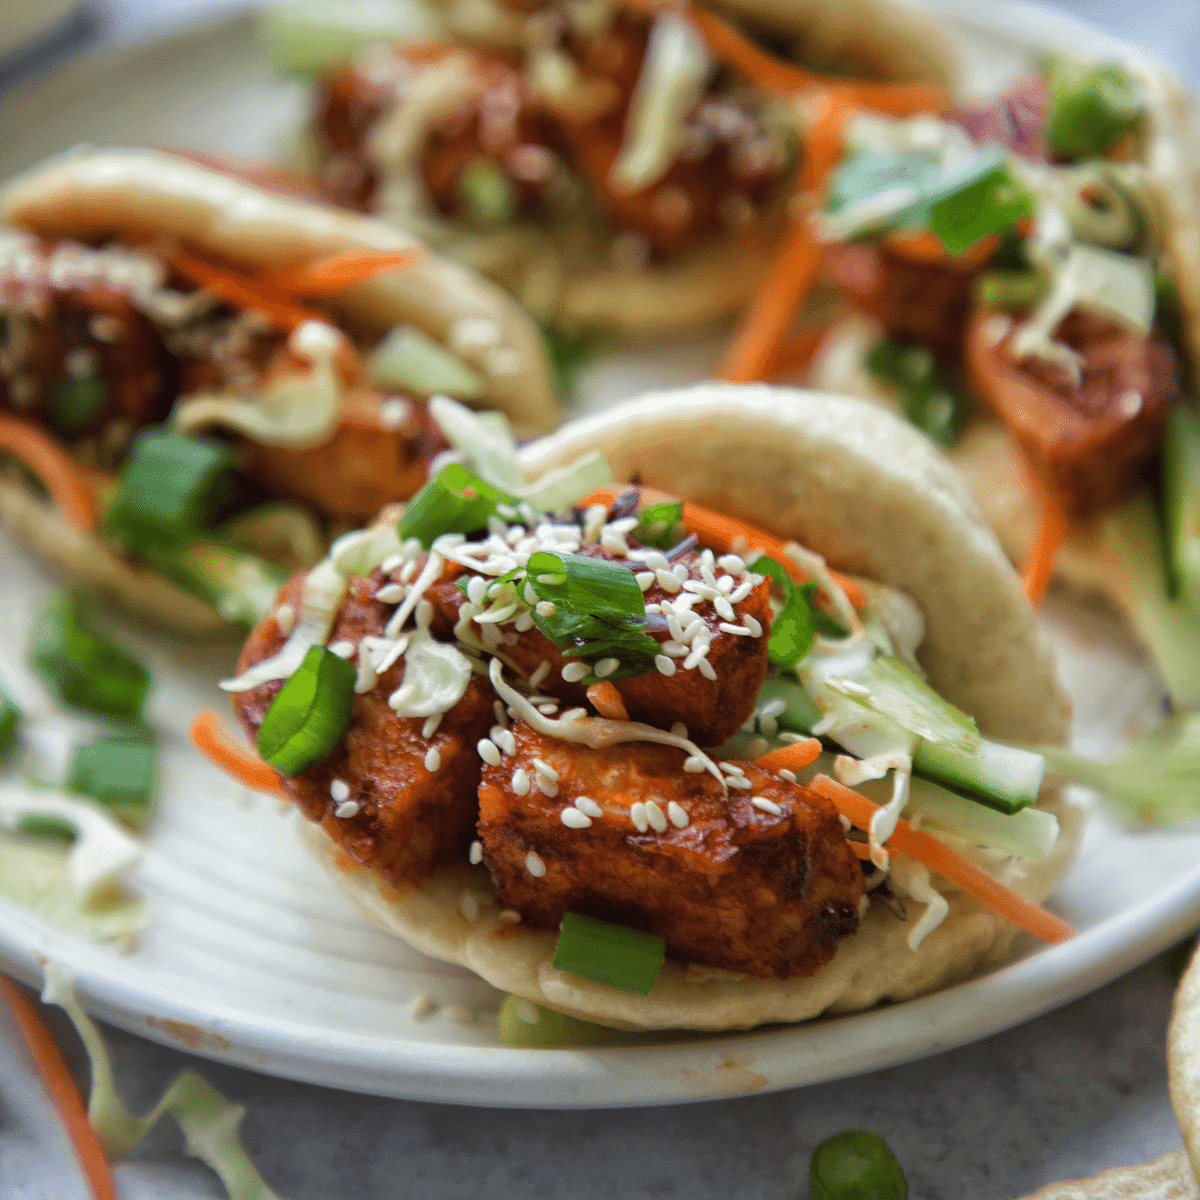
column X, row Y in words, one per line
column 209, row 1122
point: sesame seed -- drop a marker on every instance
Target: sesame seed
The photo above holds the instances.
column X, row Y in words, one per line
column 509, row 916
column 678, row 815
column 421, row 1008
column 504, row 739
column 679, row 729
column 758, row 747
column 344, row 649
column 698, row 652
column 572, row 818
column 739, row 781
column 488, row 751
column 391, row 593
column 476, row 855
column 588, row 806
column 520, row 782
column 667, row 581
column 723, row 607
column 534, row 865
column 524, row 623
column 784, row 773
column 468, row 905
column 285, row 619
column 431, row 725
column 606, row 666
column 767, row 806
column 393, row 413
column 854, row 687
column 674, row 649
column 645, row 580
column 742, row 591
column 614, row 543
column 773, row 708
column 676, row 628
column 548, row 709
column 477, row 589
column 537, row 678
column 768, row 726
column 546, row 786
column 708, row 670
column 694, row 629
column 347, row 809
column 408, row 571
column 693, row 765
column 637, row 814
column 680, row 571
column 544, row 768
column 732, row 768
column 573, row 672
column 738, row 630
column 339, row 789
column 665, row 665
column 752, row 624
column 656, row 817
column 732, row 563
column 545, row 608
column 433, row 760
column 725, row 583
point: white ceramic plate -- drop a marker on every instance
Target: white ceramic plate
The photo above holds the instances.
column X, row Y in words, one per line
column 253, row 958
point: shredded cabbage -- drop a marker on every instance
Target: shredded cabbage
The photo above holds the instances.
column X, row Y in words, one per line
column 208, row 1121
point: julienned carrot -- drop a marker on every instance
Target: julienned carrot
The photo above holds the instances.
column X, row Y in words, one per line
column 244, row 292
column 1051, row 534
column 860, row 850
column 606, row 700
column 797, row 263
column 795, row 757
column 796, row 354
column 61, row 1089
column 55, row 468
column 735, row 50
column 937, row 856
column 728, row 534
column 264, row 175
column 211, row 738
column 927, row 247
column 327, row 276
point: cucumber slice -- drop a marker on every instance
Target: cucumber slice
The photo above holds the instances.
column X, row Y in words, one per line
column 413, row 361
column 801, row 712
column 1002, row 777
column 1030, row 833
column 1169, row 629
column 1181, row 505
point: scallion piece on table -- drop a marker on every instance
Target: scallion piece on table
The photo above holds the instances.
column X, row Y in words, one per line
column 659, row 524
column 310, row 713
column 78, row 401
column 614, row 954
column 856, row 1165
column 118, row 772
column 456, row 501
column 598, row 610
column 85, row 669
column 1091, row 108
column 172, row 490
column 10, row 725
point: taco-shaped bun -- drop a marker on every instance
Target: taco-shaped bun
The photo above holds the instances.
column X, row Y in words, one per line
column 858, row 486
column 1167, row 1178
column 145, row 196
column 566, row 261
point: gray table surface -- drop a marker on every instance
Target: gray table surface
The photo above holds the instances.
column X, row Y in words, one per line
column 1076, row 1091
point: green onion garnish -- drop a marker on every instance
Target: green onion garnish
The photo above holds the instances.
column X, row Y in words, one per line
column 172, row 490
column 486, row 196
column 51, row 828
column 856, row 1165
column 929, row 396
column 795, row 627
column 240, row 585
column 118, row 772
column 659, row 524
column 310, row 714
column 614, row 954
column 10, row 725
column 457, row 501
column 987, row 200
column 523, row 1025
column 599, row 611
column 86, row 670
column 78, row 401
column 1091, row 108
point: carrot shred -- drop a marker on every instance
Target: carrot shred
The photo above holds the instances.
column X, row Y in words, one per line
column 55, row 468
column 736, row 50
column 263, row 175
column 211, row 738
column 1051, row 534
column 244, row 292
column 798, row 353
column 937, row 856
column 61, row 1089
column 929, row 249
column 795, row 757
column 860, row 850
column 606, row 700
column 728, row 534
column 327, row 276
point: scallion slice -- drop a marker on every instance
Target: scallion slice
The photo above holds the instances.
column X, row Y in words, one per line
column 310, row 714
column 658, row 524
column 240, row 585
column 86, row 670
column 523, row 1025
column 10, row 725
column 78, row 401
column 986, row 200
column 614, row 954
column 487, row 197
column 598, row 610
column 172, row 490
column 457, row 501
column 1091, row 108
column 118, row 772
column 49, row 828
